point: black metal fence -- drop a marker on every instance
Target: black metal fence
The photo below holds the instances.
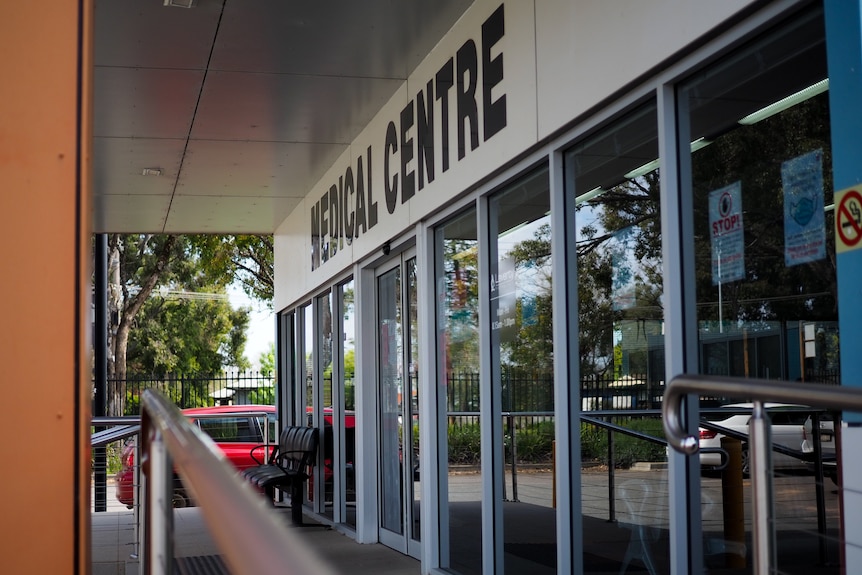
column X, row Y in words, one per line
column 239, row 388
column 533, row 391
column 521, row 391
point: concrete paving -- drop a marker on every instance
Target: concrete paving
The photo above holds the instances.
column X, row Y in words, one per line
column 634, row 527
column 114, row 549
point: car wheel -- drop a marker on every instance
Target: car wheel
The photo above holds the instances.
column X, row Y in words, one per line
column 746, row 462
column 179, row 500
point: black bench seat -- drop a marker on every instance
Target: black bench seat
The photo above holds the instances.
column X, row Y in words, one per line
column 287, row 466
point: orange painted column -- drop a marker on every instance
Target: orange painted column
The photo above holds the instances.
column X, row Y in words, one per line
column 45, row 236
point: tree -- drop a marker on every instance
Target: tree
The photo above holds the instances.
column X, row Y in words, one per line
column 461, row 273
column 533, row 341
column 619, row 271
column 267, row 361
column 248, row 260
column 753, row 155
column 184, row 336
column 139, row 265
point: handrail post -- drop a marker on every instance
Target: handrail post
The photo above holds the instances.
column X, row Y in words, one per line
column 612, row 510
column 760, row 451
column 137, row 499
column 514, row 458
column 158, row 536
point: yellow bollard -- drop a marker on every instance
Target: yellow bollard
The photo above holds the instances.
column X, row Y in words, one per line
column 733, row 506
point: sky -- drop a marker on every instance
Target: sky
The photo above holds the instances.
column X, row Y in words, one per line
column 261, row 327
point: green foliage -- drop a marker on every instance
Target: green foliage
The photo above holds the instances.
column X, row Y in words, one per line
column 464, row 444
column 753, row 155
column 247, row 260
column 200, row 336
column 624, row 227
column 112, row 457
column 262, row 396
column 627, row 449
column 193, row 393
column 594, row 443
column 267, row 361
column 535, row 444
column 461, row 306
column 172, row 267
column 132, row 404
column 533, row 341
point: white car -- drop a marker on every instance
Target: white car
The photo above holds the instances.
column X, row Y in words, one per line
column 827, row 445
column 787, row 429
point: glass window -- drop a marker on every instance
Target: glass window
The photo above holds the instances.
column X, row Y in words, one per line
column 522, row 369
column 764, row 267
column 613, row 178
column 348, row 389
column 325, row 357
column 457, row 280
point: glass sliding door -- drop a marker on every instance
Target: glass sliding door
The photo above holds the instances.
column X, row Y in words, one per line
column 306, row 417
column 456, row 253
column 765, row 276
column 325, row 359
column 287, row 370
column 522, row 374
column 613, row 181
column 347, row 390
column 398, row 403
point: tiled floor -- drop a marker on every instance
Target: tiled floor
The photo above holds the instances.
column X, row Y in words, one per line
column 113, row 535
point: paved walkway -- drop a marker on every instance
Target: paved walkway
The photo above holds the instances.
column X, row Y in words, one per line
column 641, row 512
column 114, row 549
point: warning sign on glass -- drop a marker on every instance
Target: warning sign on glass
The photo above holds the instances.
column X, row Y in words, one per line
column 726, row 230
column 848, row 220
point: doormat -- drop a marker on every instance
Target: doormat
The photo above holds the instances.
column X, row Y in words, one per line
column 201, row 565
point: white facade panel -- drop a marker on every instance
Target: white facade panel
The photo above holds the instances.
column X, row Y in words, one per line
column 555, row 60
column 587, row 51
column 291, row 256
column 518, row 87
column 492, row 50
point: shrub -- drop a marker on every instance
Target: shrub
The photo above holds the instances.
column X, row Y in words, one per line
column 464, row 444
column 627, row 449
column 535, row 444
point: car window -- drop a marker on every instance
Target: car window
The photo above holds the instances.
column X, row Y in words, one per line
column 229, row 429
column 784, row 418
column 273, row 427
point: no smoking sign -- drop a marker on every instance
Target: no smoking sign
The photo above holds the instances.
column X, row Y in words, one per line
column 848, row 220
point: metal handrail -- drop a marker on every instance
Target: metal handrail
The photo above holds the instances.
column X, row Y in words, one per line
column 758, row 391
column 811, row 394
column 250, row 536
column 112, row 434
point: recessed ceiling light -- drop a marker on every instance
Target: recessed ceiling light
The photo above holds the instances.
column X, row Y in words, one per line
column 151, row 172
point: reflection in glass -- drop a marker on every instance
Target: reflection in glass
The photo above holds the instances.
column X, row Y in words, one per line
column 308, row 354
column 613, row 176
column 522, row 359
column 410, row 399
column 348, row 389
column 390, row 368
column 764, row 274
column 325, row 355
column 307, row 316
column 457, row 281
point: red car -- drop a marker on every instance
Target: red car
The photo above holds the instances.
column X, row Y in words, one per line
column 236, row 429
